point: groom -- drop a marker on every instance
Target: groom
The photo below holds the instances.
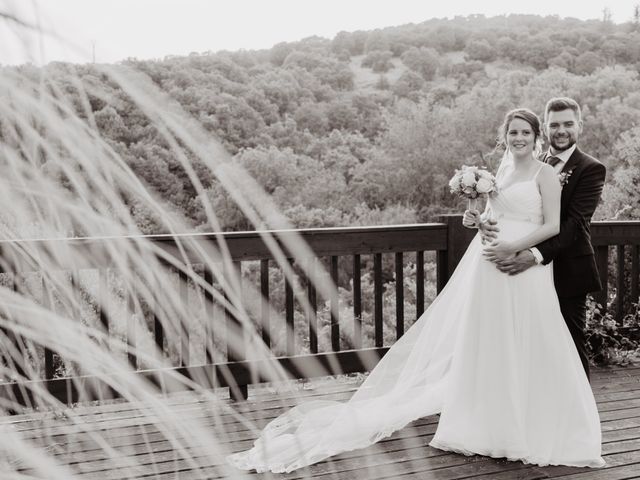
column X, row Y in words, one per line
column 582, row 178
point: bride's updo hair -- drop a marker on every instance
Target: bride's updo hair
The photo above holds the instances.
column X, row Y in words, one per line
column 529, row 117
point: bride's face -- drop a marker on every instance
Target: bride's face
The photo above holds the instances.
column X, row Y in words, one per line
column 520, row 138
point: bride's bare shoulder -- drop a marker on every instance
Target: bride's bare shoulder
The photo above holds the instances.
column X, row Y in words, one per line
column 547, row 175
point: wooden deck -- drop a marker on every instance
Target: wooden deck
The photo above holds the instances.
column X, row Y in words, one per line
column 144, row 452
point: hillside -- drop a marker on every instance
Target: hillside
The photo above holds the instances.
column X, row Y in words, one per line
column 367, row 127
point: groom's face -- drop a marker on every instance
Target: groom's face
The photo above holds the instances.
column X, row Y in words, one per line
column 563, row 129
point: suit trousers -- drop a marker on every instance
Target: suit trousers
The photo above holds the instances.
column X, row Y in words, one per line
column 574, row 311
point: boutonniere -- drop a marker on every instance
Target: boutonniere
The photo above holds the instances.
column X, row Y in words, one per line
column 564, row 177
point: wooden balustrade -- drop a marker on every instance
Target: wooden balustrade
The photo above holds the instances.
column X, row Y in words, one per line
column 624, row 238
column 443, row 243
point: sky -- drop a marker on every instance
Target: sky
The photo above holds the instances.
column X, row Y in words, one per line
column 112, row 30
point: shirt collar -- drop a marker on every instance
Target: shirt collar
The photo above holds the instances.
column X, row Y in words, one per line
column 564, row 155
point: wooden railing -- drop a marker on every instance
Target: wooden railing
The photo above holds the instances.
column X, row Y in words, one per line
column 444, row 243
column 617, row 245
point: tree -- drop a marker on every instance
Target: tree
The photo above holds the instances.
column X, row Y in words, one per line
column 382, row 83
column 408, row 85
column 563, row 60
column 232, row 119
column 294, row 179
column 480, row 50
column 370, row 108
column 540, row 51
column 621, row 197
column 327, row 70
column 467, row 68
column 285, row 134
column 376, row 40
column 343, row 55
column 609, row 123
column 587, row 63
column 607, row 21
column 379, row 61
column 357, row 42
column 282, row 89
column 614, row 50
column 423, row 61
column 353, row 43
column 584, row 45
column 449, row 38
column 111, row 124
column 312, row 117
column 342, row 115
column 279, row 53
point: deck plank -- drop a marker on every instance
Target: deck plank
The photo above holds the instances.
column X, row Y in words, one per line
column 141, row 448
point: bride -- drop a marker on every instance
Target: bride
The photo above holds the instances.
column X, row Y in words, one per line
column 492, row 354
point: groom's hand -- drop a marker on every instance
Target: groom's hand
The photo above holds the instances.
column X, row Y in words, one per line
column 497, row 254
column 518, row 264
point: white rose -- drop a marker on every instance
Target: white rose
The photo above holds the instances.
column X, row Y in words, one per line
column 485, row 174
column 454, row 183
column 484, row 186
column 468, row 179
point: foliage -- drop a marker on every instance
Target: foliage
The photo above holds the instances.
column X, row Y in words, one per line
column 379, row 61
column 389, row 135
column 423, row 61
column 621, row 199
column 347, row 321
column 609, row 343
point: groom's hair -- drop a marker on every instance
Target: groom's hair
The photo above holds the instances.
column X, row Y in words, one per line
column 562, row 103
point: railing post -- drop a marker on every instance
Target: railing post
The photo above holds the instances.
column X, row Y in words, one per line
column 236, row 347
column 458, row 239
column 602, row 260
column 620, row 284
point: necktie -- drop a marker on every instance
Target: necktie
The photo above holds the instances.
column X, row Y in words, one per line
column 553, row 161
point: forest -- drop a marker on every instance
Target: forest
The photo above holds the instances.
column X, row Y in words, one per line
column 366, row 128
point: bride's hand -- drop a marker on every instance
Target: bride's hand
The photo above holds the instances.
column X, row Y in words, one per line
column 498, row 250
column 471, row 219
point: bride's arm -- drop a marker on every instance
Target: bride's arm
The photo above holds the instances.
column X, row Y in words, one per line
column 551, row 191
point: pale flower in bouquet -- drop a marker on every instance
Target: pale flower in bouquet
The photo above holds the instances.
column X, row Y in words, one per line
column 472, row 182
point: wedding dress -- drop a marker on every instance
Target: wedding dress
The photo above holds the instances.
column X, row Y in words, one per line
column 492, row 354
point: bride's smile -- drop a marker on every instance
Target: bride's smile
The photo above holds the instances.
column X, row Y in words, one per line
column 520, row 138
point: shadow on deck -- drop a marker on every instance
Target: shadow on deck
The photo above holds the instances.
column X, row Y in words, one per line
column 142, row 450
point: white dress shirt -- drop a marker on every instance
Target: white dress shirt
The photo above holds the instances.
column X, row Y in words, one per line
column 562, row 156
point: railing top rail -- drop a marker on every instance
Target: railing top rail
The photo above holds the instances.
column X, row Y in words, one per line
column 93, row 252
column 598, row 226
column 619, row 232
column 238, row 234
column 250, row 245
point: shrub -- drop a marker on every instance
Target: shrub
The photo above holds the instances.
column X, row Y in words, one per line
column 609, row 343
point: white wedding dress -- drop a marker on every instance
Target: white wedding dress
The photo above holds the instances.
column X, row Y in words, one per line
column 492, row 354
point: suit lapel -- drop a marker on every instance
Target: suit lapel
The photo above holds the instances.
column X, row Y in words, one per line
column 571, row 164
column 573, row 160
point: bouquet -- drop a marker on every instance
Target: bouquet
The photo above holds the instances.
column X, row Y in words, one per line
column 471, row 183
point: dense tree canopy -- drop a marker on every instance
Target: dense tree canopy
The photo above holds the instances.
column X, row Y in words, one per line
column 369, row 126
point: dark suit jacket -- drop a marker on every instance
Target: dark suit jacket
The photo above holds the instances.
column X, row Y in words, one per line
column 574, row 267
